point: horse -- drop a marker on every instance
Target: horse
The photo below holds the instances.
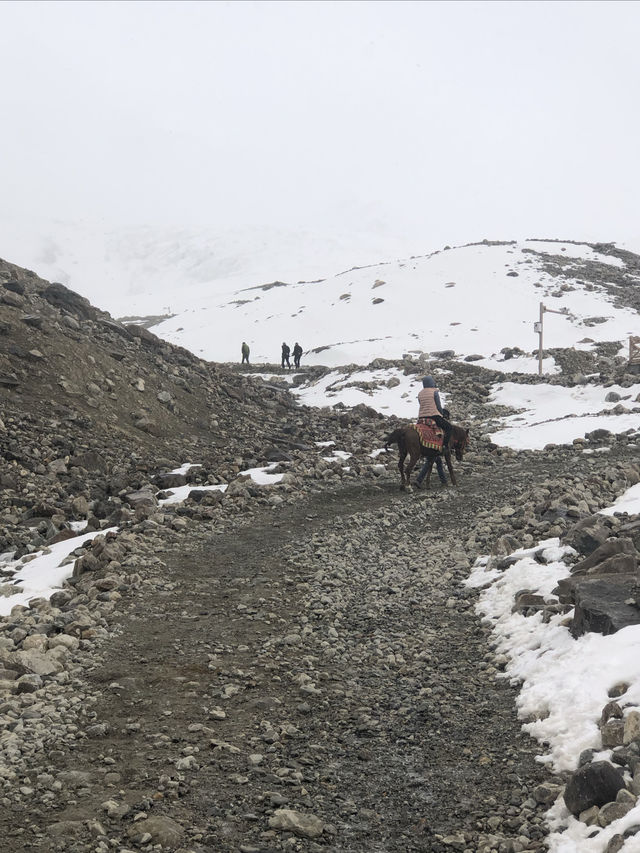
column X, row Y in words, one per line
column 408, row 442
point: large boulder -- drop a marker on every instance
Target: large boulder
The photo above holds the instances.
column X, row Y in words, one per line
column 170, row 480
column 603, row 604
column 632, row 530
column 592, row 785
column 587, row 535
column 144, row 498
column 598, row 561
column 39, row 663
column 208, row 497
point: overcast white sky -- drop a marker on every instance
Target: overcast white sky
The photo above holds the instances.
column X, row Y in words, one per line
column 437, row 121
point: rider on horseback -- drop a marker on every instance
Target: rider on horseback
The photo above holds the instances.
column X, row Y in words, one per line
column 431, row 407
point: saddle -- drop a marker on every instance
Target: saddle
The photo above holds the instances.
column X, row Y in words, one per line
column 431, row 436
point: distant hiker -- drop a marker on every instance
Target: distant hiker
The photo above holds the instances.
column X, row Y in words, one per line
column 297, row 353
column 285, row 356
column 245, row 352
column 431, row 407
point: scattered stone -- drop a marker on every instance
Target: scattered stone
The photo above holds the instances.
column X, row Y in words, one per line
column 305, row 825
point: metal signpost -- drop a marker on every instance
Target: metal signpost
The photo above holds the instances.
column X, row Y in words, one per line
column 634, row 354
column 538, row 328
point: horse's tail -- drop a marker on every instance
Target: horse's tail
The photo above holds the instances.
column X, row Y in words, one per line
column 394, row 437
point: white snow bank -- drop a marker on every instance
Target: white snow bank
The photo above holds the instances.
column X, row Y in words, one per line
column 43, row 574
column 564, row 682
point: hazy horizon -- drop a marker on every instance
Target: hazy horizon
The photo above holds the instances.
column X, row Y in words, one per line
column 432, row 122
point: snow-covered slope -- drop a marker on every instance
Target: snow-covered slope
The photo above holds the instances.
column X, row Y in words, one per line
column 474, row 300
column 347, row 299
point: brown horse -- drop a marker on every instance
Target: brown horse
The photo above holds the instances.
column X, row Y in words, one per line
column 408, row 442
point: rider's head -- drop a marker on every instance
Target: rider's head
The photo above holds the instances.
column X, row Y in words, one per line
column 428, row 382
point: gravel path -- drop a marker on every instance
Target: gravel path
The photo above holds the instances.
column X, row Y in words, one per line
column 309, row 677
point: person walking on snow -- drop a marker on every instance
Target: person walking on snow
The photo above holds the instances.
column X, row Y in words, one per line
column 285, row 356
column 245, row 352
column 297, row 353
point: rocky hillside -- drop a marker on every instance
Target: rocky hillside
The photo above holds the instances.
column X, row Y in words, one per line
column 91, row 407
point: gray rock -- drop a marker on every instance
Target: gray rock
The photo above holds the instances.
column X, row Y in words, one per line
column 632, row 727
column 612, row 733
column 58, row 466
column 587, row 535
column 610, row 548
column 39, row 663
column 141, row 498
column 169, row 480
column 616, row 843
column 305, row 825
column 618, row 564
column 592, row 785
column 603, row 604
column 75, row 778
column 66, row 829
column 29, row 683
column 91, row 460
column 161, row 830
column 613, row 811
column 546, row 793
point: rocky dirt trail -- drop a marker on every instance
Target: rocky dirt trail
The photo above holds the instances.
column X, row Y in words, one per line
column 309, row 677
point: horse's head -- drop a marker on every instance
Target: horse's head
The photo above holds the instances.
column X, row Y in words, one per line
column 459, row 441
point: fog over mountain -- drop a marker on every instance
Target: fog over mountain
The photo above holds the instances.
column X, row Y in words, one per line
column 415, row 124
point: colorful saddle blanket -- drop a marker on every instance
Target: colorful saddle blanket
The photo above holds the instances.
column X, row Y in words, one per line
column 431, row 435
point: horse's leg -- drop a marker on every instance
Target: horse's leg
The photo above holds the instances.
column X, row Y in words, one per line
column 413, row 458
column 447, row 459
column 403, row 456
